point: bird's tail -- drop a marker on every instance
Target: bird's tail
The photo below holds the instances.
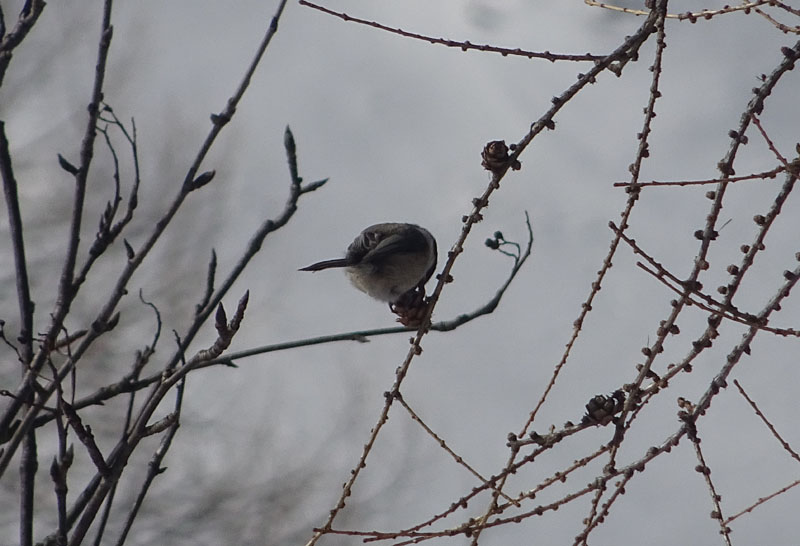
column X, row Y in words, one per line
column 339, row 262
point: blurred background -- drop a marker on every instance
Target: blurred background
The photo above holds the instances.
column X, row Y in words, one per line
column 398, row 126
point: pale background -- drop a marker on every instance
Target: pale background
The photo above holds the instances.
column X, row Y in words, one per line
column 398, row 126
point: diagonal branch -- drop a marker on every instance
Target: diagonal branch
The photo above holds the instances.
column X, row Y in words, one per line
column 120, row 289
column 615, row 62
column 8, row 42
column 65, row 290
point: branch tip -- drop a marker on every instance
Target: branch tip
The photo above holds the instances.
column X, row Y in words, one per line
column 221, row 319
column 67, row 166
column 288, row 141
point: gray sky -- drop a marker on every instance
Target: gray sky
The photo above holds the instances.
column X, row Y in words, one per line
column 398, row 125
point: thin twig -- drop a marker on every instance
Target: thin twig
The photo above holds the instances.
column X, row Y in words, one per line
column 120, row 288
column 769, row 425
column 704, row 469
column 462, row 45
column 762, row 500
column 154, row 467
column 65, row 291
column 28, row 462
column 440, row 441
column 60, row 466
column 132, row 383
column 770, row 174
column 18, row 244
column 621, row 55
column 688, row 16
column 717, row 308
column 9, row 41
column 777, row 24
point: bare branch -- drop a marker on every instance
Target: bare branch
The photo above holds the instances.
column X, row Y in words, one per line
column 703, row 469
column 762, row 500
column 769, row 425
column 108, row 309
column 86, row 437
column 8, row 42
column 15, row 227
column 462, row 45
column 154, row 467
column 688, row 16
column 621, row 56
column 770, row 174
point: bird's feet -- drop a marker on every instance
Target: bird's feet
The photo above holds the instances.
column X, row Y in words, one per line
column 411, row 307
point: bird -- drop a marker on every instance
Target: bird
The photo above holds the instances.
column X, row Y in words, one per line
column 387, row 261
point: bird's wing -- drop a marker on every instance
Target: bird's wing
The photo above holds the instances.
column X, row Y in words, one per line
column 409, row 241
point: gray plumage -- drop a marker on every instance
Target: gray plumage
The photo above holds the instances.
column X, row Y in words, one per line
column 387, row 260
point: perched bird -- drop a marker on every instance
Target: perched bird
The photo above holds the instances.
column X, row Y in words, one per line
column 387, row 261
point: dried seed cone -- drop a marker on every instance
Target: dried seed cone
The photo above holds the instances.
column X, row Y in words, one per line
column 411, row 308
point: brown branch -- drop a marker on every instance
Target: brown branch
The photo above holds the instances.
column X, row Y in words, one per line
column 60, row 465
column 786, row 29
column 623, row 54
column 705, row 302
column 462, row 45
column 772, row 173
column 703, row 468
column 770, row 144
column 769, row 425
column 101, row 485
column 597, row 512
column 440, row 441
column 108, row 230
column 132, row 382
column 716, row 308
column 762, row 500
column 687, row 16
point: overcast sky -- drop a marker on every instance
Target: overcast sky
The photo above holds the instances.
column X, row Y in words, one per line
column 398, row 126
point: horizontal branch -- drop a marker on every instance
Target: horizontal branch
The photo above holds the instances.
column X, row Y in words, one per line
column 772, row 173
column 691, row 16
column 463, row 46
column 132, row 384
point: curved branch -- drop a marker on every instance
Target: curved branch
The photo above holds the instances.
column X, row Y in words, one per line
column 463, row 46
